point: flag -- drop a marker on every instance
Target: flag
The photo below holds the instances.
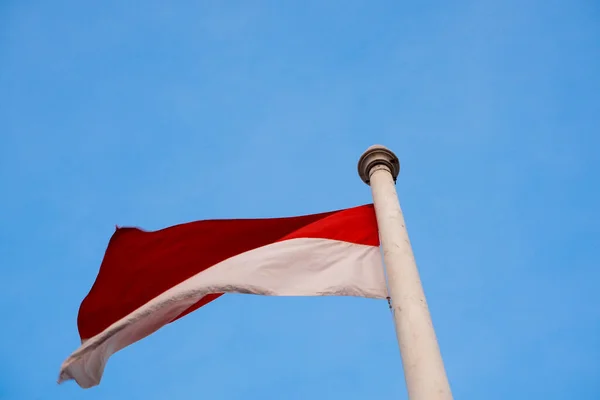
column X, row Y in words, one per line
column 148, row 279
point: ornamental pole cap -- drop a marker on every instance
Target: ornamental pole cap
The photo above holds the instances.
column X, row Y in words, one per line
column 377, row 155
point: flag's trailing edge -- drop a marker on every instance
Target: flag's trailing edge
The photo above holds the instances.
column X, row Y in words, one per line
column 149, row 279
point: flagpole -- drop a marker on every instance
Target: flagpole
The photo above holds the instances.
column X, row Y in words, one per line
column 423, row 367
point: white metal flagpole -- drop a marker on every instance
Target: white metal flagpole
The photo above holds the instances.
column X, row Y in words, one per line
column 421, row 358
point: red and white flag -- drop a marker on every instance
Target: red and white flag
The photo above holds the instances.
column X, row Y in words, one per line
column 149, row 279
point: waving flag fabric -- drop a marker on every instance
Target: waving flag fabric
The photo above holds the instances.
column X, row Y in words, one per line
column 149, row 279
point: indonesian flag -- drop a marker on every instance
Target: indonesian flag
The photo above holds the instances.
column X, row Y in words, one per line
column 150, row 279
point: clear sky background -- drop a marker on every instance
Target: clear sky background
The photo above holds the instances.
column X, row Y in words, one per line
column 155, row 113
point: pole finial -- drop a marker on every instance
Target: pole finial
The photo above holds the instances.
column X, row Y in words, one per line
column 377, row 155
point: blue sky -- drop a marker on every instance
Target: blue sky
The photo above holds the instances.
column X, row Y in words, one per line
column 167, row 112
